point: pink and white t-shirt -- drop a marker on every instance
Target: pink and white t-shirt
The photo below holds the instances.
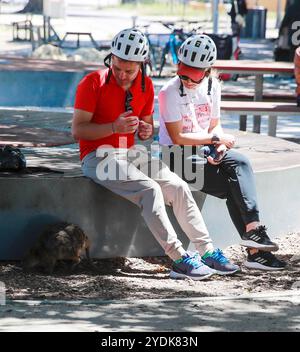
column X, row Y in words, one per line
column 195, row 109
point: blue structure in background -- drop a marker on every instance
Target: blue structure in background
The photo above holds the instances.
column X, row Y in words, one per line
column 38, row 88
column 256, row 23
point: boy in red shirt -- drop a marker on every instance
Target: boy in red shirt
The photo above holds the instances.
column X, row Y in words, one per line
column 110, row 106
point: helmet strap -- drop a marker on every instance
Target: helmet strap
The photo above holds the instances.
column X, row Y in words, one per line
column 181, row 90
column 143, row 76
column 108, row 76
column 107, row 63
column 107, row 60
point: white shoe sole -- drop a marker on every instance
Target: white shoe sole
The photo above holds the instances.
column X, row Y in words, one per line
column 178, row 276
column 258, row 266
column 262, row 247
column 227, row 272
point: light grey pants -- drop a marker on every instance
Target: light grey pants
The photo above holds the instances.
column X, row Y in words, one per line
column 151, row 195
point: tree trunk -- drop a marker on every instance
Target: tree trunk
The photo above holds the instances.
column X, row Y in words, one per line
column 33, row 6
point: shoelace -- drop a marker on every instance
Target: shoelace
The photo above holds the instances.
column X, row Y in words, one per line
column 262, row 231
column 193, row 261
column 219, row 256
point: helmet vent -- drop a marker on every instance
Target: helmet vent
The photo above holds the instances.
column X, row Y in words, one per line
column 127, row 49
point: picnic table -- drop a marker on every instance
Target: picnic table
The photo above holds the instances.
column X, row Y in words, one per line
column 258, row 69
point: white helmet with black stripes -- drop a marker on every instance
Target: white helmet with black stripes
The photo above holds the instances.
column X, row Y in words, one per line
column 130, row 44
column 198, row 51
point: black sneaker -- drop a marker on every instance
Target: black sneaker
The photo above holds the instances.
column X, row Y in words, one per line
column 259, row 239
column 264, row 261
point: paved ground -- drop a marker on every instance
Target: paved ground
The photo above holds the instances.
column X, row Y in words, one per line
column 266, row 312
column 20, row 136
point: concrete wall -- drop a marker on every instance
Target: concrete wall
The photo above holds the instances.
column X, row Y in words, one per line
column 279, row 203
column 115, row 225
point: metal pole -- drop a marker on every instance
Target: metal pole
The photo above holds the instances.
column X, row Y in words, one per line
column 134, row 19
column 259, row 82
column 183, row 9
column 215, row 8
column 172, row 6
column 279, row 10
column 45, row 28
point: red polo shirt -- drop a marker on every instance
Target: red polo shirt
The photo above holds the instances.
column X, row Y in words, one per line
column 107, row 101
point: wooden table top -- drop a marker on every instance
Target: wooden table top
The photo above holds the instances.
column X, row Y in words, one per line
column 255, row 67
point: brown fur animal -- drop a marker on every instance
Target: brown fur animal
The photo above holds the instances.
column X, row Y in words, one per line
column 61, row 241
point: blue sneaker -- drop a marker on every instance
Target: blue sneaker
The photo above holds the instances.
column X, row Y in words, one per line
column 190, row 266
column 217, row 261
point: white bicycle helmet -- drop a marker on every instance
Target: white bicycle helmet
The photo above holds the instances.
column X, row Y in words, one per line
column 130, row 44
column 198, row 51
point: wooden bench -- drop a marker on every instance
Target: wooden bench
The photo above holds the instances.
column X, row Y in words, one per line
column 258, row 69
column 272, row 109
column 278, row 97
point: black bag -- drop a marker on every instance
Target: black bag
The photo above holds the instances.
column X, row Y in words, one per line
column 224, row 45
column 11, row 159
column 281, row 54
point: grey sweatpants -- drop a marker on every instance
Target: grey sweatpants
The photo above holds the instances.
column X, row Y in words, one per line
column 151, row 195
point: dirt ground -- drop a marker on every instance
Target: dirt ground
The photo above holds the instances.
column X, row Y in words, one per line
column 148, row 278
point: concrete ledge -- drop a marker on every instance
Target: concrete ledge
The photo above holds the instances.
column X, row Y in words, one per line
column 114, row 225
